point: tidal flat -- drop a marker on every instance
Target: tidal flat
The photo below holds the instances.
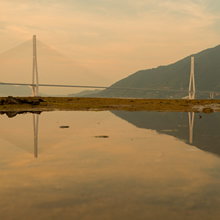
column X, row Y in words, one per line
column 100, row 104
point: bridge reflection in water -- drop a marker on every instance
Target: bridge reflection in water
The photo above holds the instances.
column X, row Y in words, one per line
column 191, row 123
column 35, row 126
column 174, row 124
column 36, row 121
column 198, row 129
column 77, row 172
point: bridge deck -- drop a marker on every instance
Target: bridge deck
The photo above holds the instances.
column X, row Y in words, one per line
column 102, row 87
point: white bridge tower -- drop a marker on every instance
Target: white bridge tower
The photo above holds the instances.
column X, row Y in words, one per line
column 192, row 89
column 35, row 70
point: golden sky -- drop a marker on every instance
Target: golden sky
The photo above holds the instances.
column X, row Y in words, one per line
column 114, row 38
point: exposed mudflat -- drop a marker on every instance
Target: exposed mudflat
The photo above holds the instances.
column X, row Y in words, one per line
column 38, row 104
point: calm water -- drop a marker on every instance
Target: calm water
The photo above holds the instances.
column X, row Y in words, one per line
column 110, row 165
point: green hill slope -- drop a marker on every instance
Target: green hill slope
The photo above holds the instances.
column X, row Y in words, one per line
column 174, row 76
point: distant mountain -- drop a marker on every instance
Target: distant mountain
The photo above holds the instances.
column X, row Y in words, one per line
column 85, row 93
column 14, row 90
column 8, row 90
column 174, row 76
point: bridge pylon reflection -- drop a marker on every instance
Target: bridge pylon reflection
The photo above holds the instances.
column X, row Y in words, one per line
column 191, row 123
column 191, row 116
column 35, row 126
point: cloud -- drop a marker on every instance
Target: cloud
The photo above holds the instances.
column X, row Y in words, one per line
column 190, row 9
column 81, row 18
column 107, row 34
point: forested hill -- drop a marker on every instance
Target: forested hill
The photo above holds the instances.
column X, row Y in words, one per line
column 173, row 76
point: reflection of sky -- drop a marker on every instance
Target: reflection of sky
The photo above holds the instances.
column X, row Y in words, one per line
column 133, row 173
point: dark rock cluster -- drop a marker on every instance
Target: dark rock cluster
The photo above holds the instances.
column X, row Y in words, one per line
column 12, row 114
column 10, row 100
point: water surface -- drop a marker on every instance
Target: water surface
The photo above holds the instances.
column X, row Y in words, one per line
column 110, row 165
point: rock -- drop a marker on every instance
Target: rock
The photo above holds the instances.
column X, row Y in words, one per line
column 208, row 110
column 11, row 114
column 12, row 100
column 17, row 101
column 64, row 126
column 102, row 136
column 35, row 102
column 41, row 100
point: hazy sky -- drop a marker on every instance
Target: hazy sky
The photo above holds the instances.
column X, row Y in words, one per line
column 111, row 37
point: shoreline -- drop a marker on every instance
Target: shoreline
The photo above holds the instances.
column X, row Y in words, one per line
column 39, row 104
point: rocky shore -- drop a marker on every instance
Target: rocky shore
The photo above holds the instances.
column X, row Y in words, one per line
column 39, row 104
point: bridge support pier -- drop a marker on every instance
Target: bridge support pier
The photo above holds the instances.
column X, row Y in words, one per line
column 191, row 95
column 192, row 89
column 35, row 70
column 212, row 95
column 34, row 91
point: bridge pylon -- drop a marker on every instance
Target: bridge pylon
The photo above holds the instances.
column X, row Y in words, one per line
column 35, row 81
column 192, row 88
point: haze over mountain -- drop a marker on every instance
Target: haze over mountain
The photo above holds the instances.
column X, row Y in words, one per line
column 14, row 90
column 84, row 93
column 171, row 77
column 174, row 77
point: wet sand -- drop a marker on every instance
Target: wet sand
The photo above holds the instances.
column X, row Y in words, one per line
column 103, row 104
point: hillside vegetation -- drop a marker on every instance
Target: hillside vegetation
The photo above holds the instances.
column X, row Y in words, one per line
column 174, row 76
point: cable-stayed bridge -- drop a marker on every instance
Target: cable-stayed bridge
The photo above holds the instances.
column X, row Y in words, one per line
column 35, row 64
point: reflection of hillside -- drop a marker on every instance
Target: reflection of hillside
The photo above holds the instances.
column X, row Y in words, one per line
column 19, row 130
column 205, row 131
